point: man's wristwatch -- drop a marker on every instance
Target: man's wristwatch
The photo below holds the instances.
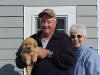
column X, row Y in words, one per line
column 49, row 54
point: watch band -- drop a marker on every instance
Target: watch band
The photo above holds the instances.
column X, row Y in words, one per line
column 50, row 55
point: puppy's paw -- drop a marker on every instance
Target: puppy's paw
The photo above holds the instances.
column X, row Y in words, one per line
column 28, row 70
column 28, row 62
column 34, row 58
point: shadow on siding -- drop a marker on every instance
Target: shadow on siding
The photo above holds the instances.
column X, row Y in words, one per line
column 8, row 69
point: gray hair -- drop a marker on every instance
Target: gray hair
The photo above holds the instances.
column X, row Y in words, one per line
column 78, row 28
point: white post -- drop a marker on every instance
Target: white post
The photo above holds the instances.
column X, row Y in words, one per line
column 98, row 24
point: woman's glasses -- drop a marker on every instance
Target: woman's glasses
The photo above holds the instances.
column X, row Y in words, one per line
column 74, row 36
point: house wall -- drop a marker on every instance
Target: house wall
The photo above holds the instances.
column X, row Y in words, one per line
column 11, row 36
column 87, row 15
column 12, row 27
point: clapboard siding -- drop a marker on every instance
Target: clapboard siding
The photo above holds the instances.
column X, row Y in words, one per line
column 37, row 2
column 47, row 2
column 93, row 43
column 87, row 21
column 11, row 32
column 10, row 43
column 86, row 2
column 11, row 21
column 11, row 37
column 92, row 33
column 87, row 15
column 10, row 2
column 6, row 62
column 8, row 54
column 86, row 11
column 11, row 11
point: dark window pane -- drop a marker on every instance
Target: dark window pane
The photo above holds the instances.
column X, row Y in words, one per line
column 61, row 23
column 38, row 23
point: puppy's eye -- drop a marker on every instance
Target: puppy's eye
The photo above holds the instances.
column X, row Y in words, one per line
column 25, row 44
column 30, row 43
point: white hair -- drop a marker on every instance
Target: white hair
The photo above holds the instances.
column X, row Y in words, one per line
column 78, row 28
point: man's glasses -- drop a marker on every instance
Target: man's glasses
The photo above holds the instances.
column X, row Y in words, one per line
column 74, row 36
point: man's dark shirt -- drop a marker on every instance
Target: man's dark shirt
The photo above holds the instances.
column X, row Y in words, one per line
column 62, row 59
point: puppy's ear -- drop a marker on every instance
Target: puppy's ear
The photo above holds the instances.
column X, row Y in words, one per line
column 35, row 43
column 23, row 43
column 22, row 47
column 21, row 53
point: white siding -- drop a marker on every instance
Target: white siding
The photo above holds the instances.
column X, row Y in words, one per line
column 11, row 11
column 11, row 22
column 11, row 37
column 86, row 10
column 87, row 21
column 86, row 2
column 11, row 32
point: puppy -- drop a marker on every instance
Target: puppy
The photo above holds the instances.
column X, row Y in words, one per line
column 29, row 45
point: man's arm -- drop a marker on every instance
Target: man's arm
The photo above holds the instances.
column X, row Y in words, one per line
column 63, row 56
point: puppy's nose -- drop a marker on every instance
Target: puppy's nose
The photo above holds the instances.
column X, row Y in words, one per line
column 28, row 48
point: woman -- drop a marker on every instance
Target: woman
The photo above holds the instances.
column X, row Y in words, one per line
column 87, row 59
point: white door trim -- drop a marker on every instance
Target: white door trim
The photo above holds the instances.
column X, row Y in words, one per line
column 98, row 24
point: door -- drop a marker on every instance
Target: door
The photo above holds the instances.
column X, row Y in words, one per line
column 66, row 16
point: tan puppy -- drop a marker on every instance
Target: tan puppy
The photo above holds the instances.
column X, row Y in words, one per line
column 29, row 45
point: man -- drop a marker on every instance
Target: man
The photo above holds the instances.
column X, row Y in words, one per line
column 55, row 52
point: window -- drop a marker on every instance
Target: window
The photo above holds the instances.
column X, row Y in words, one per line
column 61, row 23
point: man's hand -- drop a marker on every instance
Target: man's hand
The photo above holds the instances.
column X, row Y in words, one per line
column 42, row 52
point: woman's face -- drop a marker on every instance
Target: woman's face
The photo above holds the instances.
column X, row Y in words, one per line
column 77, row 39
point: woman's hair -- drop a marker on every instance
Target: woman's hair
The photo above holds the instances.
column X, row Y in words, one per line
column 78, row 28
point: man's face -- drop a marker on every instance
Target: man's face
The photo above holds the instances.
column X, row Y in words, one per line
column 47, row 25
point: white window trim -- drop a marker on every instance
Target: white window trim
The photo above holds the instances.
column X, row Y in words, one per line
column 98, row 24
column 31, row 12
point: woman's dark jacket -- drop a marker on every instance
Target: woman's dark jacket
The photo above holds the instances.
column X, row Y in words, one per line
column 63, row 55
